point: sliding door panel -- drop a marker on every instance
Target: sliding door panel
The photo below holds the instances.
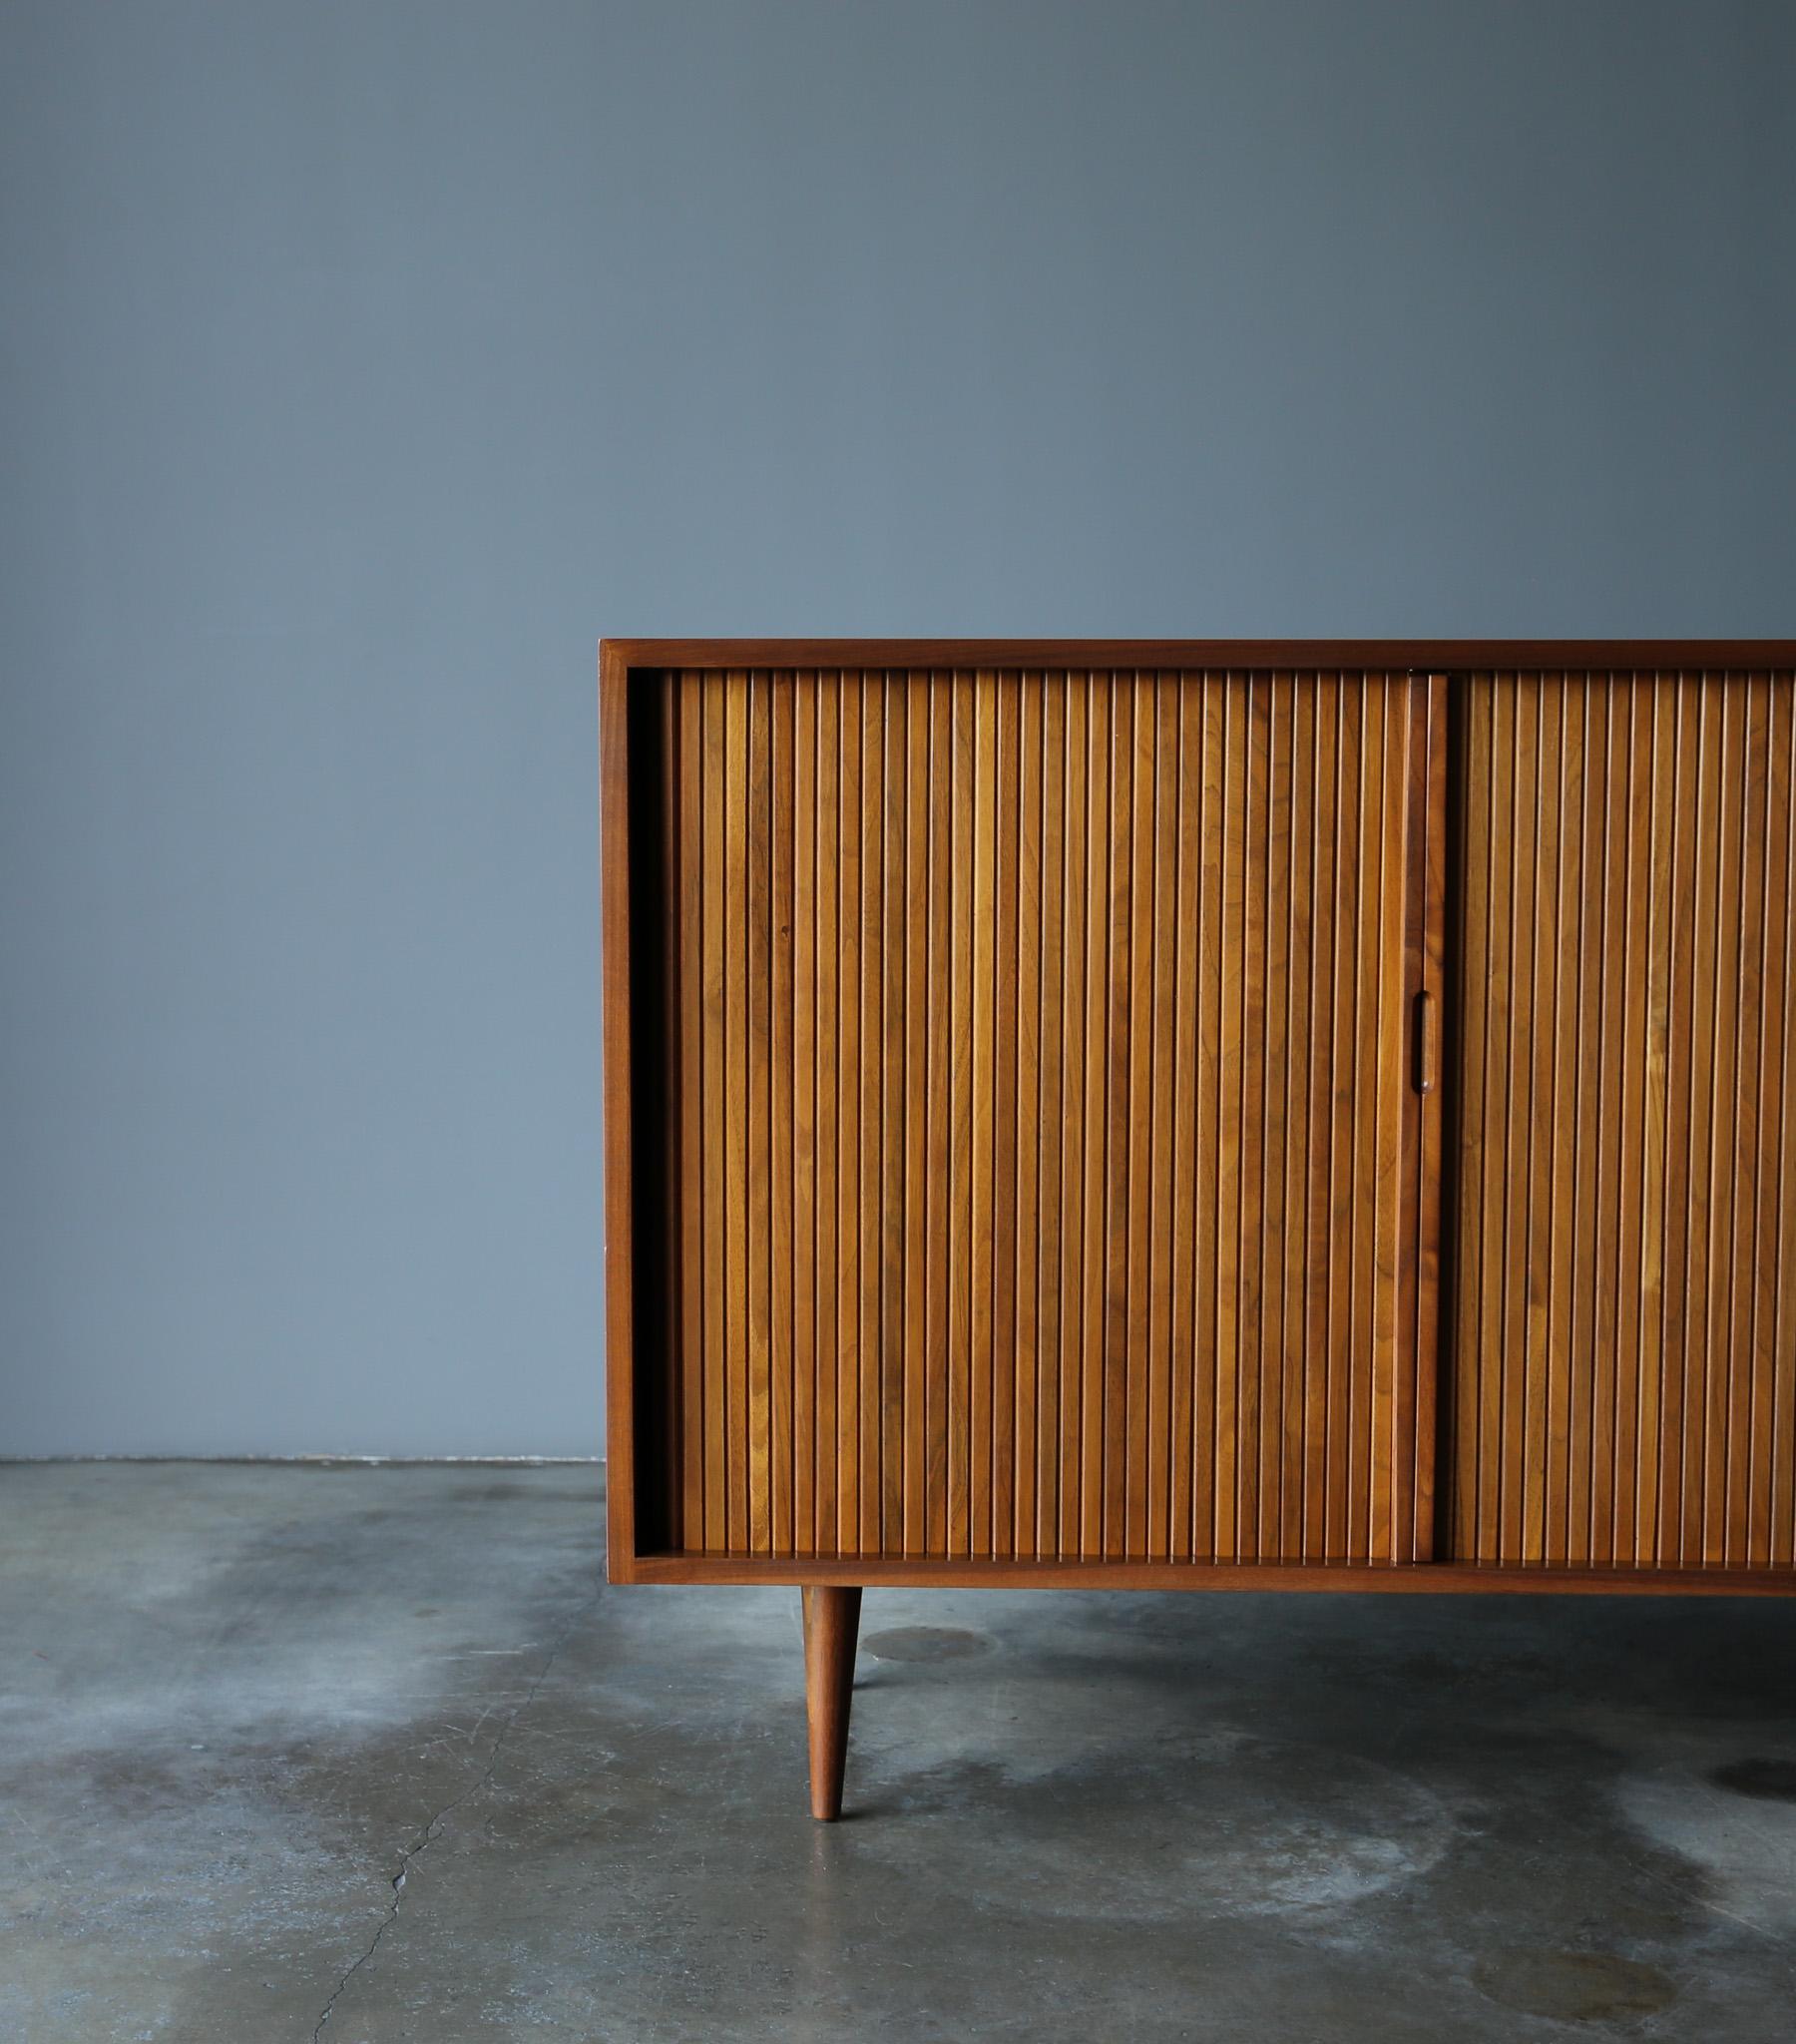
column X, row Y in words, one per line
column 1623, row 1310
column 1045, row 1135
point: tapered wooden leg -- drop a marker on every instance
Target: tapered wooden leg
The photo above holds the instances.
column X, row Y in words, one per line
column 831, row 1622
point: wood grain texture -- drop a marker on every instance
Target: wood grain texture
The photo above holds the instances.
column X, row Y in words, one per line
column 831, row 1618
column 1043, row 1161
column 1625, row 1324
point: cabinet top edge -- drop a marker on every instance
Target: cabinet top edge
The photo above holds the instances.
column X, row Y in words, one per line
column 1416, row 656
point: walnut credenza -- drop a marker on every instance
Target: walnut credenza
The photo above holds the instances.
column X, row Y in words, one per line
column 1198, row 1115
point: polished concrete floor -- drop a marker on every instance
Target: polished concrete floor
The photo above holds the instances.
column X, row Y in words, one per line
column 368, row 1753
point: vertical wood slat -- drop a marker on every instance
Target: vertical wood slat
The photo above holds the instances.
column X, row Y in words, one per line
column 1623, row 1370
column 1029, row 693
column 939, row 1224
column 1773, row 1397
column 850, row 1131
column 1048, row 1125
column 1044, row 1110
column 1430, row 830
column 1070, row 1111
column 957, row 996
column 1163, row 1419
column 895, row 1231
column 735, row 1106
column 782, row 1114
column 864, row 1535
column 805, row 929
column 827, row 863
column 910, row 1533
column 1006, row 1353
column 1301, row 910
column 757, row 1112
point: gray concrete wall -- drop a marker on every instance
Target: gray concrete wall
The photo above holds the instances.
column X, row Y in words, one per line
column 362, row 364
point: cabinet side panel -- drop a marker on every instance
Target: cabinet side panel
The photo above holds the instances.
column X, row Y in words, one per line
column 1624, row 1352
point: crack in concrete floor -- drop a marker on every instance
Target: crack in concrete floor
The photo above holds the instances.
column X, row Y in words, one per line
column 411, row 1854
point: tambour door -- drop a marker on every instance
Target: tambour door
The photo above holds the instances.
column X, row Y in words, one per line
column 1623, row 1321
column 1030, row 1155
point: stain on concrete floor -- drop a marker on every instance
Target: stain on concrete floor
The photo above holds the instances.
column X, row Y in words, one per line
column 1575, row 1987
column 922, row 1643
column 369, row 1753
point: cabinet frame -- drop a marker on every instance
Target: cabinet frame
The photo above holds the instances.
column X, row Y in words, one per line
column 639, row 1461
